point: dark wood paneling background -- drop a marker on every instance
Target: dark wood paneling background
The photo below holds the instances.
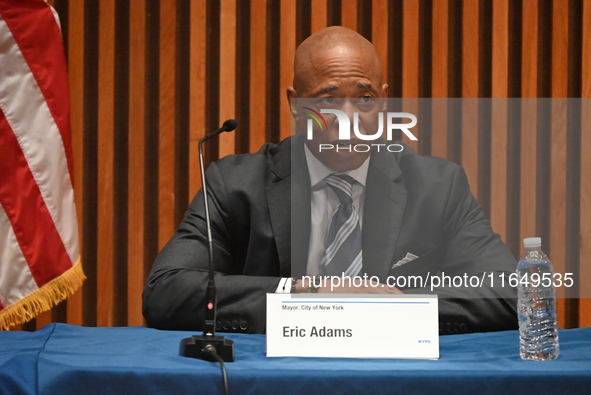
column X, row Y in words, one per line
column 148, row 78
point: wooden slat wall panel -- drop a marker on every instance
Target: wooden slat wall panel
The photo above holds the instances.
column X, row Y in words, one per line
column 439, row 85
column 75, row 49
column 149, row 78
column 136, row 225
column 500, row 78
column 470, row 72
column 470, row 89
column 105, row 195
column 557, row 247
column 319, row 15
column 379, row 32
column 349, row 13
column 287, row 37
column 574, row 52
column 258, row 72
column 198, row 98
column 410, row 58
column 528, row 123
column 166, row 146
column 228, row 70
column 585, row 244
column 182, row 113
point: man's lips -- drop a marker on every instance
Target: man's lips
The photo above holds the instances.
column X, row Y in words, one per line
column 346, row 143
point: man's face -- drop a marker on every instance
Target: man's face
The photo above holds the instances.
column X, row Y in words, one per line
column 348, row 80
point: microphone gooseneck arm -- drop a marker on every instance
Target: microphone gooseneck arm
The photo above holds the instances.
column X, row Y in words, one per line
column 210, row 294
column 209, row 346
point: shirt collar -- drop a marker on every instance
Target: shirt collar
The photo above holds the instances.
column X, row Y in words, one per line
column 319, row 171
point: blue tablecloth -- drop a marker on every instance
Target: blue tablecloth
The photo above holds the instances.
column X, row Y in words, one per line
column 65, row 359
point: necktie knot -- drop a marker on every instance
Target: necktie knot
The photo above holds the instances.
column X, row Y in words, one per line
column 342, row 185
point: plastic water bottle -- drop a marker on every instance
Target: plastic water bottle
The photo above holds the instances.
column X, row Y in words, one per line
column 536, row 305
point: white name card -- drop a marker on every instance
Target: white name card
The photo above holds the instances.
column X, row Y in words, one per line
column 352, row 326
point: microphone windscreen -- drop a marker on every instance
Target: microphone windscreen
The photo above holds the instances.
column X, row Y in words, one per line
column 230, row 125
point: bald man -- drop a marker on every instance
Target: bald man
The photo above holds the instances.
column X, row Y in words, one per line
column 272, row 214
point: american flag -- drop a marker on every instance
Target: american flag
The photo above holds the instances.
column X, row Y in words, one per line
column 39, row 255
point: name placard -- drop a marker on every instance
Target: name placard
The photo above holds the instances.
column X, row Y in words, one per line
column 352, row 326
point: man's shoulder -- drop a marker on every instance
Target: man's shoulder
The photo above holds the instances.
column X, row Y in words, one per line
column 253, row 171
column 262, row 158
column 412, row 163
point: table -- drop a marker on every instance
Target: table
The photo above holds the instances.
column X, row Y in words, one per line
column 66, row 359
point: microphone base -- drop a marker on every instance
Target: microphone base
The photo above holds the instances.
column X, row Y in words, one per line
column 193, row 347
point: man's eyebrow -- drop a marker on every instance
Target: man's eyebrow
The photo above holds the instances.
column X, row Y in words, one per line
column 365, row 85
column 327, row 89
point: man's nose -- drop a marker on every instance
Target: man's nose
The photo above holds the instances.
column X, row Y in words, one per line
column 349, row 107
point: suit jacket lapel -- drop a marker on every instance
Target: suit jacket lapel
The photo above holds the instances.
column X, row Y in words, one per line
column 382, row 215
column 288, row 198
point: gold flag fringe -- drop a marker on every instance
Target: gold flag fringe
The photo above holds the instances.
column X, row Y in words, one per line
column 44, row 298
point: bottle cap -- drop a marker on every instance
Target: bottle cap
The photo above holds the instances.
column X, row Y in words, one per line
column 532, row 242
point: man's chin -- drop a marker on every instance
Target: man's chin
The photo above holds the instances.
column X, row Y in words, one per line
column 342, row 160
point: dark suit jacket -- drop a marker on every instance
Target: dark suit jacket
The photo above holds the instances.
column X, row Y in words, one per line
column 260, row 214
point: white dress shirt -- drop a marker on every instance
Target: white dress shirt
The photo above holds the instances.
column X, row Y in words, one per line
column 324, row 202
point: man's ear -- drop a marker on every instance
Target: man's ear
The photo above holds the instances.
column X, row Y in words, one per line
column 385, row 96
column 292, row 94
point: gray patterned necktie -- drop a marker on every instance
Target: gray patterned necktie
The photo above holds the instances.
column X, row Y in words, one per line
column 343, row 245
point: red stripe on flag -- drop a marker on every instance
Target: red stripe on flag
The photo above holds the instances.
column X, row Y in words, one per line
column 45, row 56
column 31, row 222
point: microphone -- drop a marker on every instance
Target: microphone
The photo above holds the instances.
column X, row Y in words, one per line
column 208, row 345
column 227, row 126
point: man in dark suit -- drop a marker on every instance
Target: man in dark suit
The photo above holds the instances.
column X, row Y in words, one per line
column 270, row 215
